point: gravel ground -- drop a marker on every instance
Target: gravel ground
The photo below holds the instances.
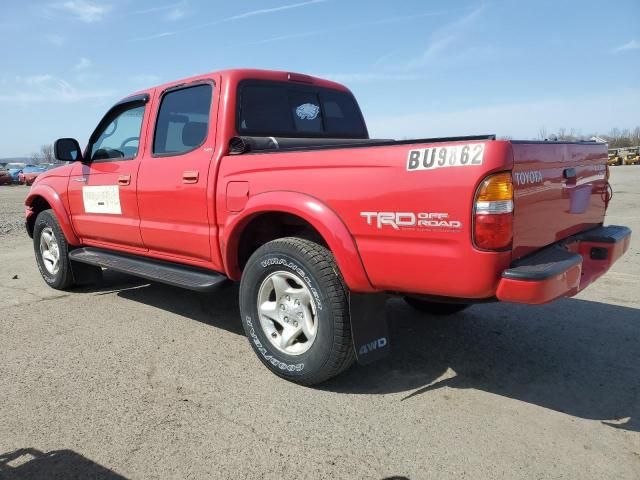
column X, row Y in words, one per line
column 135, row 380
column 12, row 210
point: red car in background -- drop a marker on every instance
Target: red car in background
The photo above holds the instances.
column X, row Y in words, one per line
column 28, row 175
column 5, row 177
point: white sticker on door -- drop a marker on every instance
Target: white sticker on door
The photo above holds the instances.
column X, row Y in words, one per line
column 102, row 199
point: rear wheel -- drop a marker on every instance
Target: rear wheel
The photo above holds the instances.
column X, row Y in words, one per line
column 295, row 312
column 52, row 251
column 435, row 308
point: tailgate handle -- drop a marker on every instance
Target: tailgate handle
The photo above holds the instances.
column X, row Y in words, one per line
column 124, row 180
column 569, row 173
column 190, row 176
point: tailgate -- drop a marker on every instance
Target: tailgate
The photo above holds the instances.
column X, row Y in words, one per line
column 560, row 189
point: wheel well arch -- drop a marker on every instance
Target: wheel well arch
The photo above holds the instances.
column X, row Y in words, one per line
column 267, row 226
column 37, row 204
column 292, row 214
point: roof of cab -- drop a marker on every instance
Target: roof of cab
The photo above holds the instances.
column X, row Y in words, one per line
column 235, row 75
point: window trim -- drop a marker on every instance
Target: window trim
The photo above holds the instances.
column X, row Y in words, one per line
column 306, row 88
column 123, row 105
column 172, row 89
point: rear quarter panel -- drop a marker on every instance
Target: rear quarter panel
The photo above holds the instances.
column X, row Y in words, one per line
column 355, row 182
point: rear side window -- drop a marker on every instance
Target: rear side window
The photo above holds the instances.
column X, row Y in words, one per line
column 283, row 109
column 183, row 120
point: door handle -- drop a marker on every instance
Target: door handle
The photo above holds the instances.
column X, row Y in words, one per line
column 124, row 180
column 190, row 176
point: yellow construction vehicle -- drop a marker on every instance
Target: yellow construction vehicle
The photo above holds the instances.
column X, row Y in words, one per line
column 632, row 156
column 614, row 157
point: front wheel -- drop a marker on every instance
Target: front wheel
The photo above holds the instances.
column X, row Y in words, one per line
column 435, row 308
column 295, row 311
column 52, row 251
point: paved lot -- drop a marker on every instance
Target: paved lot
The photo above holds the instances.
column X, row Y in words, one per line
column 138, row 380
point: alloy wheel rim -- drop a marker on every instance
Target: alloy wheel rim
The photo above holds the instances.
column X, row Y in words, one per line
column 287, row 312
column 49, row 251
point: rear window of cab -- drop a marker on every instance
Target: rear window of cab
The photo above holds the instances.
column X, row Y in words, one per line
column 292, row 110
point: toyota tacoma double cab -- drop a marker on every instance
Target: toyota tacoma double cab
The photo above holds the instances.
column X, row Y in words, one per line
column 270, row 179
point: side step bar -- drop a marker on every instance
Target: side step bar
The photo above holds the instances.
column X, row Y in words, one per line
column 170, row 273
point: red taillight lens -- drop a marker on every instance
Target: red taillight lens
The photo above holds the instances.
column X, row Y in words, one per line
column 493, row 232
column 493, row 213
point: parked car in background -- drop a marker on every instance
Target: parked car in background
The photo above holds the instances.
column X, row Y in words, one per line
column 14, row 169
column 28, row 174
column 5, row 178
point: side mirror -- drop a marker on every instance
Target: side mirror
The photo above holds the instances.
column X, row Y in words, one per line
column 67, row 150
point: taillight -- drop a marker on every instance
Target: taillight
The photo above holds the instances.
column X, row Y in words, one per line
column 493, row 213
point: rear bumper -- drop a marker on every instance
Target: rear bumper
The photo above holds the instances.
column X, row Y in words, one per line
column 565, row 268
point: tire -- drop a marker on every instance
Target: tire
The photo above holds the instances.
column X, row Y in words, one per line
column 298, row 282
column 48, row 236
column 435, row 308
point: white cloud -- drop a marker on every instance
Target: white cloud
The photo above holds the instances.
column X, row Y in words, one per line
column 48, row 88
column 363, row 77
column 444, row 39
column 174, row 11
column 55, row 39
column 144, row 80
column 175, row 14
column 83, row 10
column 252, row 13
column 82, row 64
column 156, row 35
column 630, row 45
column 264, row 11
column 596, row 113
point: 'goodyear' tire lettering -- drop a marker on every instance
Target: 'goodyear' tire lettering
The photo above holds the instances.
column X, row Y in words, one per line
column 298, row 367
column 292, row 266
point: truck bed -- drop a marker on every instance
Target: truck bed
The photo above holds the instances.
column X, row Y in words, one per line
column 436, row 256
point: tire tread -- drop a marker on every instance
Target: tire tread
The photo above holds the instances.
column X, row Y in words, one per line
column 342, row 353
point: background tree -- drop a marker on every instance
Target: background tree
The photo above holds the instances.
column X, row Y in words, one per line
column 542, row 133
column 44, row 155
column 616, row 138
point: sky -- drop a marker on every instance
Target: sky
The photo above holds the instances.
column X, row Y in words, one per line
column 419, row 68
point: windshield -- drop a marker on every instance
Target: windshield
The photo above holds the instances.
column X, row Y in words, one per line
column 293, row 110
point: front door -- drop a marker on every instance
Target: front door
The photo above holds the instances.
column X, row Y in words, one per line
column 102, row 189
column 173, row 195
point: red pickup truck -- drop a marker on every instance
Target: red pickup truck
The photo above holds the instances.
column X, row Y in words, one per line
column 270, row 178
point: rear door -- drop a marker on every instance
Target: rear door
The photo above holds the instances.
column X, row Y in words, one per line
column 102, row 190
column 173, row 196
column 559, row 189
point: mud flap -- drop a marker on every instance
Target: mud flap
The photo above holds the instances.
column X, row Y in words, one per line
column 369, row 327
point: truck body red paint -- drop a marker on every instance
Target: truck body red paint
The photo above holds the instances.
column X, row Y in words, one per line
column 397, row 217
